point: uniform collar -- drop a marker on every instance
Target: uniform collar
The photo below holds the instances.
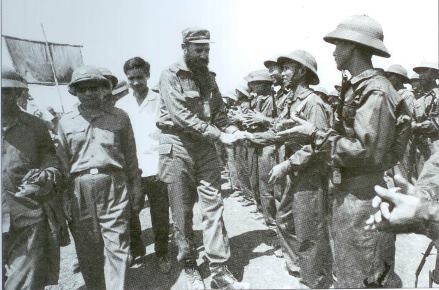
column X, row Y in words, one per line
column 93, row 114
column 367, row 74
column 302, row 92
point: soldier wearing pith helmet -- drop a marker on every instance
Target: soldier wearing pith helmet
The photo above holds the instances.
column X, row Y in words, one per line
column 302, row 205
column 364, row 145
column 398, row 76
column 427, row 106
column 98, row 153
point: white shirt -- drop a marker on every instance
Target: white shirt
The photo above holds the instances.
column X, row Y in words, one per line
column 143, row 120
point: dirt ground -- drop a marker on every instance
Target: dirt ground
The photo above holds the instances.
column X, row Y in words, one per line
column 252, row 259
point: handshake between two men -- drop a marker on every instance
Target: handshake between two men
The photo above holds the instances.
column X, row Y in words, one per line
column 294, row 130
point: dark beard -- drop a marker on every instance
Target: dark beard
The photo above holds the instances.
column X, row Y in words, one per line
column 195, row 63
column 201, row 75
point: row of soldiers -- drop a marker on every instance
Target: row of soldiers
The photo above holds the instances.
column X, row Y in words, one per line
column 309, row 162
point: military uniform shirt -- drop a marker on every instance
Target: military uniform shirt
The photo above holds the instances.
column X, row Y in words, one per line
column 183, row 108
column 26, row 145
column 369, row 119
column 103, row 139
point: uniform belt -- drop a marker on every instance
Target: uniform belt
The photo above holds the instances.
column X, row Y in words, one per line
column 95, row 170
column 170, row 130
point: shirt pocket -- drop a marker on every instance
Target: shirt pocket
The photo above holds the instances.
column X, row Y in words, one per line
column 194, row 102
column 106, row 138
column 75, row 138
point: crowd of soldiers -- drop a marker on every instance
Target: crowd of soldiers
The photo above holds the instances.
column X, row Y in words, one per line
column 323, row 169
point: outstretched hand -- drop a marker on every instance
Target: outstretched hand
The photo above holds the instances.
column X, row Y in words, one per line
column 300, row 130
column 397, row 206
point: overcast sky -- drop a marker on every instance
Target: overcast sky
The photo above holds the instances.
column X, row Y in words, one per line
column 245, row 32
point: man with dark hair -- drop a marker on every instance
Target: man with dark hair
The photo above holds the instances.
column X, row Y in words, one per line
column 143, row 108
column 136, row 63
column 192, row 119
column 30, row 172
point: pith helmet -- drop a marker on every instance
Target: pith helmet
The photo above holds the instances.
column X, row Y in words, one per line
column 243, row 90
column 414, row 77
column 321, row 90
column 12, row 79
column 86, row 73
column 109, row 75
column 271, row 61
column 398, row 70
column 334, row 93
column 304, row 58
column 231, row 95
column 120, row 87
column 426, row 65
column 259, row 76
column 363, row 30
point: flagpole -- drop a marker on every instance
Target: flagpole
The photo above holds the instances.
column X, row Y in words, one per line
column 52, row 66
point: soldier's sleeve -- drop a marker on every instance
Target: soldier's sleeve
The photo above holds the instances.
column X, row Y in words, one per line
column 427, row 185
column 175, row 102
column 410, row 99
column 373, row 135
column 46, row 148
column 429, row 211
column 220, row 118
column 62, row 150
column 317, row 115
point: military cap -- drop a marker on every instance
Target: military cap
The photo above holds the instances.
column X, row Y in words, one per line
column 424, row 65
column 363, row 30
column 109, row 75
column 87, row 73
column 259, row 76
column 398, row 70
column 120, row 87
column 12, row 79
column 304, row 58
column 196, row 35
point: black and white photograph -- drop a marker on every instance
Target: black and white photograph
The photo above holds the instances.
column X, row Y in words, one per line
column 219, row 144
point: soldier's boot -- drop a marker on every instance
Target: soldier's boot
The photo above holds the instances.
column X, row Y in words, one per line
column 224, row 279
